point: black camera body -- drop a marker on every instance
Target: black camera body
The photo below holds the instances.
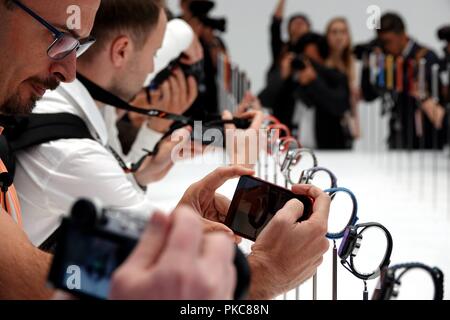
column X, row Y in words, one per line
column 219, row 24
column 298, row 63
column 195, row 70
column 93, row 242
column 444, row 33
column 201, row 9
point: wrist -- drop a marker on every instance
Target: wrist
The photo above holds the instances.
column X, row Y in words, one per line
column 159, row 125
column 144, row 176
column 262, row 286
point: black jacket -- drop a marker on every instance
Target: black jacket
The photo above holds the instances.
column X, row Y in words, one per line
column 329, row 94
column 403, row 129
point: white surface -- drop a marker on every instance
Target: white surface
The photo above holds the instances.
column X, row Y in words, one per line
column 402, row 191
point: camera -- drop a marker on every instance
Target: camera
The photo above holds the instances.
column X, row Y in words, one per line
column 219, row 24
column 201, row 9
column 298, row 63
column 93, row 242
column 444, row 33
column 195, row 70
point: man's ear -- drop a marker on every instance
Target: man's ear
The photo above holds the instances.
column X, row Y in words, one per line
column 121, row 49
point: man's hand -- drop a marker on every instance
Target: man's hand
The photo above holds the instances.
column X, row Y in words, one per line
column 435, row 112
column 286, row 66
column 175, row 260
column 307, row 75
column 175, row 95
column 279, row 11
column 156, row 167
column 248, row 103
column 243, row 145
column 287, row 252
column 202, row 196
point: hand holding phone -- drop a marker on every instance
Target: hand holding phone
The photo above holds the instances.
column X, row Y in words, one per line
column 256, row 202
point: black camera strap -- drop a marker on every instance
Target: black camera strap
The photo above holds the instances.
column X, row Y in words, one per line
column 104, row 96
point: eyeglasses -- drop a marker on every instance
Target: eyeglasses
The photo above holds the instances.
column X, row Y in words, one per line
column 64, row 43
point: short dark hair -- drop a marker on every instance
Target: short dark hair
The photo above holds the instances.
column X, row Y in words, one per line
column 302, row 16
column 392, row 22
column 136, row 17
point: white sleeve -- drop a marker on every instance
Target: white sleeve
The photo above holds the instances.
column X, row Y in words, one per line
column 94, row 173
column 178, row 37
column 146, row 139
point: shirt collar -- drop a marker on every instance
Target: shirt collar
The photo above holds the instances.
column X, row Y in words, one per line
column 407, row 51
column 77, row 94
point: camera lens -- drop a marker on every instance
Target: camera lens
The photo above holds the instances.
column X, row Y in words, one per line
column 84, row 214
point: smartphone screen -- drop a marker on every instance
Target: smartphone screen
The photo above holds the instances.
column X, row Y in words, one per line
column 255, row 203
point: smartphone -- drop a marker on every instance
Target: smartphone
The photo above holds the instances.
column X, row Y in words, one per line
column 255, row 203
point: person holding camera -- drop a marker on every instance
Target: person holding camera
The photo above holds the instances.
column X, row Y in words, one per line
column 54, row 174
column 298, row 25
column 309, row 96
column 23, row 267
column 197, row 14
column 409, row 129
column 438, row 112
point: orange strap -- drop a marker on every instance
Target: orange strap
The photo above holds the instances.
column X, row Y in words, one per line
column 12, row 205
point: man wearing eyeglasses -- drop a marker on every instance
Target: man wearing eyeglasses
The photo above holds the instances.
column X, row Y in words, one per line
column 37, row 54
column 26, row 72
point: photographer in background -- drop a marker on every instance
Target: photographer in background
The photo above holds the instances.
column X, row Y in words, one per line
column 197, row 14
column 341, row 58
column 53, row 175
column 298, row 26
column 406, row 132
column 309, row 96
column 438, row 111
column 174, row 93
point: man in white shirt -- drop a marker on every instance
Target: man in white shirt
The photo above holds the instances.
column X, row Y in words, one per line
column 52, row 175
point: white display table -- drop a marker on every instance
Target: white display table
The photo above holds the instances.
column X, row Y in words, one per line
column 409, row 193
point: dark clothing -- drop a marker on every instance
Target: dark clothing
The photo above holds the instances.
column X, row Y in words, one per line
column 329, row 95
column 276, row 43
column 207, row 100
column 403, row 128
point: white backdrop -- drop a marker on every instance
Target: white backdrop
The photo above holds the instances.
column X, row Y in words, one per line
column 248, row 32
column 248, row 38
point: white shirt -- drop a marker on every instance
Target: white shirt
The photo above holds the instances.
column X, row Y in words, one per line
column 146, row 138
column 50, row 177
column 305, row 118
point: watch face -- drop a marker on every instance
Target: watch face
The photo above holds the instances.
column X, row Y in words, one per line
column 346, row 247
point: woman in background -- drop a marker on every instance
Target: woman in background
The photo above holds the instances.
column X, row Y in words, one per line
column 340, row 57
